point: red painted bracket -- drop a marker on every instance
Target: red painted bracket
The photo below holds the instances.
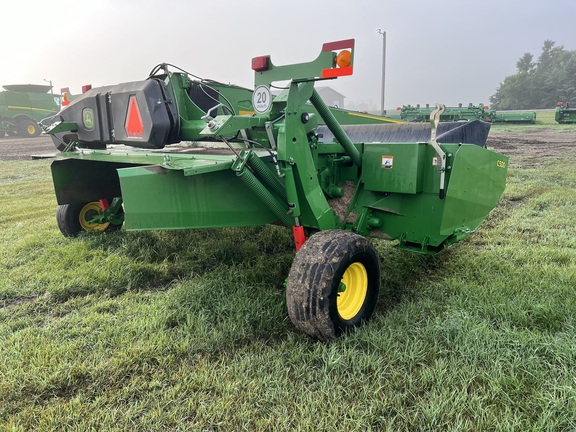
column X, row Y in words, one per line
column 299, row 236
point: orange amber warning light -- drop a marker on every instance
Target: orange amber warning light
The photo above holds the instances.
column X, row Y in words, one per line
column 65, row 99
column 343, row 58
column 342, row 61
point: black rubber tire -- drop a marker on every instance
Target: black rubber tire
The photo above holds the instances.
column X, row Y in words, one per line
column 314, row 282
column 68, row 219
column 29, row 128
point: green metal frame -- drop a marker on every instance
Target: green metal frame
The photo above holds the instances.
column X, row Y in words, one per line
column 281, row 173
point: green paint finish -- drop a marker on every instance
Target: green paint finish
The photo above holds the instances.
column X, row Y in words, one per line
column 564, row 114
column 513, row 117
column 387, row 190
column 62, row 127
column 476, row 183
column 157, row 198
column 394, row 167
column 410, row 208
column 303, row 188
column 29, row 100
column 296, row 72
column 228, row 125
column 188, row 163
column 335, row 128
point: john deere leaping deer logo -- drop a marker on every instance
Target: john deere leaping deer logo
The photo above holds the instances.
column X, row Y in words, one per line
column 88, row 118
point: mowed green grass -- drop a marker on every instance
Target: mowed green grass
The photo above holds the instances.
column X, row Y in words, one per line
column 188, row 330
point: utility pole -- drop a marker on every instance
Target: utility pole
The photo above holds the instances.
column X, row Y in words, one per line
column 383, row 33
column 51, row 89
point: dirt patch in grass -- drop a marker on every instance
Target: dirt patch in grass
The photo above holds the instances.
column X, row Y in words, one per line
column 532, row 147
column 23, row 148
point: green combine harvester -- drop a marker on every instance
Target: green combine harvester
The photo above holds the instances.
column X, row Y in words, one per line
column 126, row 158
column 564, row 114
column 22, row 106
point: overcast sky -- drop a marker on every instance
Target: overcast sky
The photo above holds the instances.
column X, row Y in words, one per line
column 446, row 51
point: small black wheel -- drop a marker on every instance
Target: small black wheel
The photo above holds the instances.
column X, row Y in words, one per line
column 333, row 284
column 29, row 128
column 77, row 217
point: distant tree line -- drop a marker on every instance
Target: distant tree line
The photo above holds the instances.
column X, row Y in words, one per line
column 540, row 84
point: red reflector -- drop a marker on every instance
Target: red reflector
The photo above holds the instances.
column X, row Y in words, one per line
column 336, row 72
column 104, row 204
column 338, row 45
column 260, row 63
column 134, row 126
column 86, row 87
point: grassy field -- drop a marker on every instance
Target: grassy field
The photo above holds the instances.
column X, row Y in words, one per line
column 189, row 330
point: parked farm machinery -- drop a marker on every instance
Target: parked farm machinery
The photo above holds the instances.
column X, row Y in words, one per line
column 471, row 112
column 419, row 113
column 23, row 106
column 564, row 114
column 513, row 117
column 126, row 159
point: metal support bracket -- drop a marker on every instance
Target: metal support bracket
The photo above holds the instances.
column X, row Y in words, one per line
column 434, row 120
column 269, row 125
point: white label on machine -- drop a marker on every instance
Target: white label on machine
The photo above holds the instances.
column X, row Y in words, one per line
column 387, row 162
column 261, row 99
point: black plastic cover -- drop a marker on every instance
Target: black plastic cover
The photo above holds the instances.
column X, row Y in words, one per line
column 472, row 132
column 204, row 96
column 104, row 115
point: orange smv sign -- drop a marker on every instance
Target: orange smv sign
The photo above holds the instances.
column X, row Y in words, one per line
column 134, row 126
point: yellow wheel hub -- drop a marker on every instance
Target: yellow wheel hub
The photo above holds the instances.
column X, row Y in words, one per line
column 352, row 292
column 89, row 212
column 31, row 129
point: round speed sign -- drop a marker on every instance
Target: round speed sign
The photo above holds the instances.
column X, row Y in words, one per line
column 261, row 99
